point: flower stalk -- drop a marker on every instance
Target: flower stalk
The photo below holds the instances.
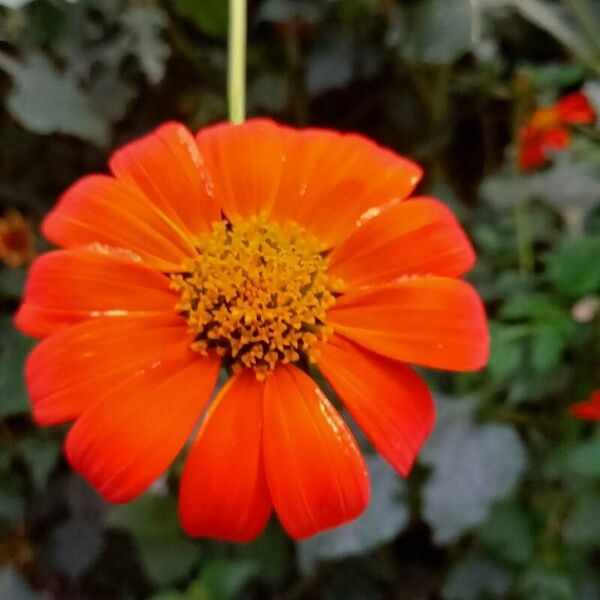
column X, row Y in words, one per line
column 236, row 64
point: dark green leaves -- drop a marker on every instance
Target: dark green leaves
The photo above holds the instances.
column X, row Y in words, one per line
column 582, row 527
column 437, row 31
column 210, row 16
column 508, row 531
column 76, row 544
column 477, row 577
column 46, row 100
column 574, row 266
column 383, row 520
column 167, row 554
column 14, row 347
column 14, row 587
column 473, row 465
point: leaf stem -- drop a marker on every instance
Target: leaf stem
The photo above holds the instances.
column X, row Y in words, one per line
column 524, row 242
column 236, row 64
column 523, row 93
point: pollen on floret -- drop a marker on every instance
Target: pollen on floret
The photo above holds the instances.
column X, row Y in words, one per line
column 257, row 293
column 17, row 242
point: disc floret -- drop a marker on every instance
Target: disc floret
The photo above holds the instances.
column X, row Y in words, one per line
column 257, row 293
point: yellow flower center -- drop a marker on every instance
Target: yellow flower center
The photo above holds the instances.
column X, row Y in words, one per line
column 257, row 293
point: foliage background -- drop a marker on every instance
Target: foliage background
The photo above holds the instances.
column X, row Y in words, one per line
column 505, row 500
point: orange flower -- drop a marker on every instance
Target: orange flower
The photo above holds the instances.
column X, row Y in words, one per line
column 589, row 410
column 16, row 240
column 547, row 129
column 262, row 249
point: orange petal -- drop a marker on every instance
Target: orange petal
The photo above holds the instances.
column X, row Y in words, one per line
column 575, row 108
column 125, row 440
column 420, row 236
column 431, row 321
column 331, row 179
column 72, row 368
column 589, row 410
column 166, row 166
column 66, row 287
column 321, row 179
column 100, row 210
column 243, row 164
column 557, row 138
column 224, row 493
column 531, row 155
column 316, row 474
column 389, row 401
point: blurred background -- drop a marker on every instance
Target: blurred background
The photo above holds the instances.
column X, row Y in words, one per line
column 505, row 499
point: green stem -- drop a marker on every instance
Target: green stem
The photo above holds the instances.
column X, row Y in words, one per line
column 524, row 244
column 236, row 67
column 523, row 95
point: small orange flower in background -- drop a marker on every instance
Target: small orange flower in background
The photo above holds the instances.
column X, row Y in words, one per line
column 548, row 129
column 17, row 243
column 262, row 249
column 589, row 410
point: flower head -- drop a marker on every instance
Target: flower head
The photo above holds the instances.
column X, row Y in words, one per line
column 16, row 240
column 270, row 252
column 589, row 410
column 548, row 129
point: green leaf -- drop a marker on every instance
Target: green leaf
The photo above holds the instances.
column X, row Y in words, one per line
column 584, row 458
column 385, row 517
column 553, row 75
column 571, row 185
column 224, row 579
column 591, row 89
column 574, row 266
column 477, row 577
column 582, row 527
column 174, row 595
column 14, row 587
column 144, row 26
column 14, row 3
column 12, row 282
column 5, row 459
column 547, row 346
column 287, row 11
column 438, row 31
column 82, row 499
column 269, row 92
column 41, row 456
column 46, row 100
column 508, row 532
column 76, row 545
column 12, row 502
column 547, row 326
column 210, row 16
column 507, row 351
column 535, row 307
column 474, row 465
column 168, row 556
column 14, row 347
column 331, row 64
column 501, row 188
column 271, row 553
column 543, row 584
column 169, row 559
